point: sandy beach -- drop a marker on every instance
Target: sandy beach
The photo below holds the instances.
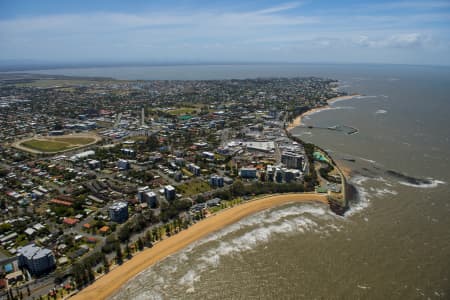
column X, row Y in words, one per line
column 109, row 284
column 298, row 120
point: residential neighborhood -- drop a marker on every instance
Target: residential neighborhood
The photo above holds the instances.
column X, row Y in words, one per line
column 93, row 169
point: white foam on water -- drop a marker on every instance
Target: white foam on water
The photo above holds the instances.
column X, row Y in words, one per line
column 149, row 295
column 310, row 113
column 261, row 228
column 251, row 239
column 366, row 97
column 263, row 218
column 306, row 133
column 245, row 235
column 358, row 180
column 363, row 287
column 189, row 279
column 366, row 160
column 383, row 192
column 137, row 288
column 433, row 184
column 363, row 195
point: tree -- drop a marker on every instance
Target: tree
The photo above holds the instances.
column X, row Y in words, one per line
column 168, row 229
column 91, row 275
column 147, row 238
column 124, row 232
column 152, row 143
column 127, row 250
column 105, row 264
column 119, row 255
column 140, row 244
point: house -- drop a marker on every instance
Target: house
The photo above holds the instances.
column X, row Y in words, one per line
column 104, row 230
column 61, row 202
column 70, row 221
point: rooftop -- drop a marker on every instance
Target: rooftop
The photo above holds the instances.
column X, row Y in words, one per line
column 34, row 252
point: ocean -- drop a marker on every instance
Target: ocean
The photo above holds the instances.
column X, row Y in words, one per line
column 394, row 243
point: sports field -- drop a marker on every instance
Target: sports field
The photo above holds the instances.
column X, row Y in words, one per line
column 50, row 144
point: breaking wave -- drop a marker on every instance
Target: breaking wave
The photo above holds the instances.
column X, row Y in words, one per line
column 366, row 97
column 413, row 181
column 365, row 193
column 430, row 183
column 310, row 113
column 182, row 270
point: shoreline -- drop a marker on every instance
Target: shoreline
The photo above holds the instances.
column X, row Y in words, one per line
column 298, row 120
column 109, row 284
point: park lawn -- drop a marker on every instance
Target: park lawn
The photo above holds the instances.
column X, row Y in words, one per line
column 47, row 146
column 194, row 187
column 183, row 111
column 186, row 172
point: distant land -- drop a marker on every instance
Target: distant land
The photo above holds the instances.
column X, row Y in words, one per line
column 31, row 65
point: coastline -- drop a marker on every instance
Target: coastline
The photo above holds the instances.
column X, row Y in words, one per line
column 109, row 284
column 298, row 120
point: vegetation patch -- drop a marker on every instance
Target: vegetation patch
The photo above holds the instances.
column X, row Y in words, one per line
column 56, row 144
column 47, row 146
column 183, row 111
column 75, row 140
column 194, row 187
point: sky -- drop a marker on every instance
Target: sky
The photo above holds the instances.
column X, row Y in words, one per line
column 165, row 31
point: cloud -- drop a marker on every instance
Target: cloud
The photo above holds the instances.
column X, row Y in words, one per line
column 278, row 32
column 412, row 5
column 406, row 40
column 279, row 8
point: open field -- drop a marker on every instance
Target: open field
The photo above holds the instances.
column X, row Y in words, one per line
column 54, row 144
column 194, row 187
column 110, row 283
column 183, row 111
column 46, row 145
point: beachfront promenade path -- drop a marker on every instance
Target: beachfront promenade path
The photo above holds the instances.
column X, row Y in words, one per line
column 110, row 283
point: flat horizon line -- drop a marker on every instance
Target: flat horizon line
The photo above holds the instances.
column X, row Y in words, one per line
column 16, row 66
